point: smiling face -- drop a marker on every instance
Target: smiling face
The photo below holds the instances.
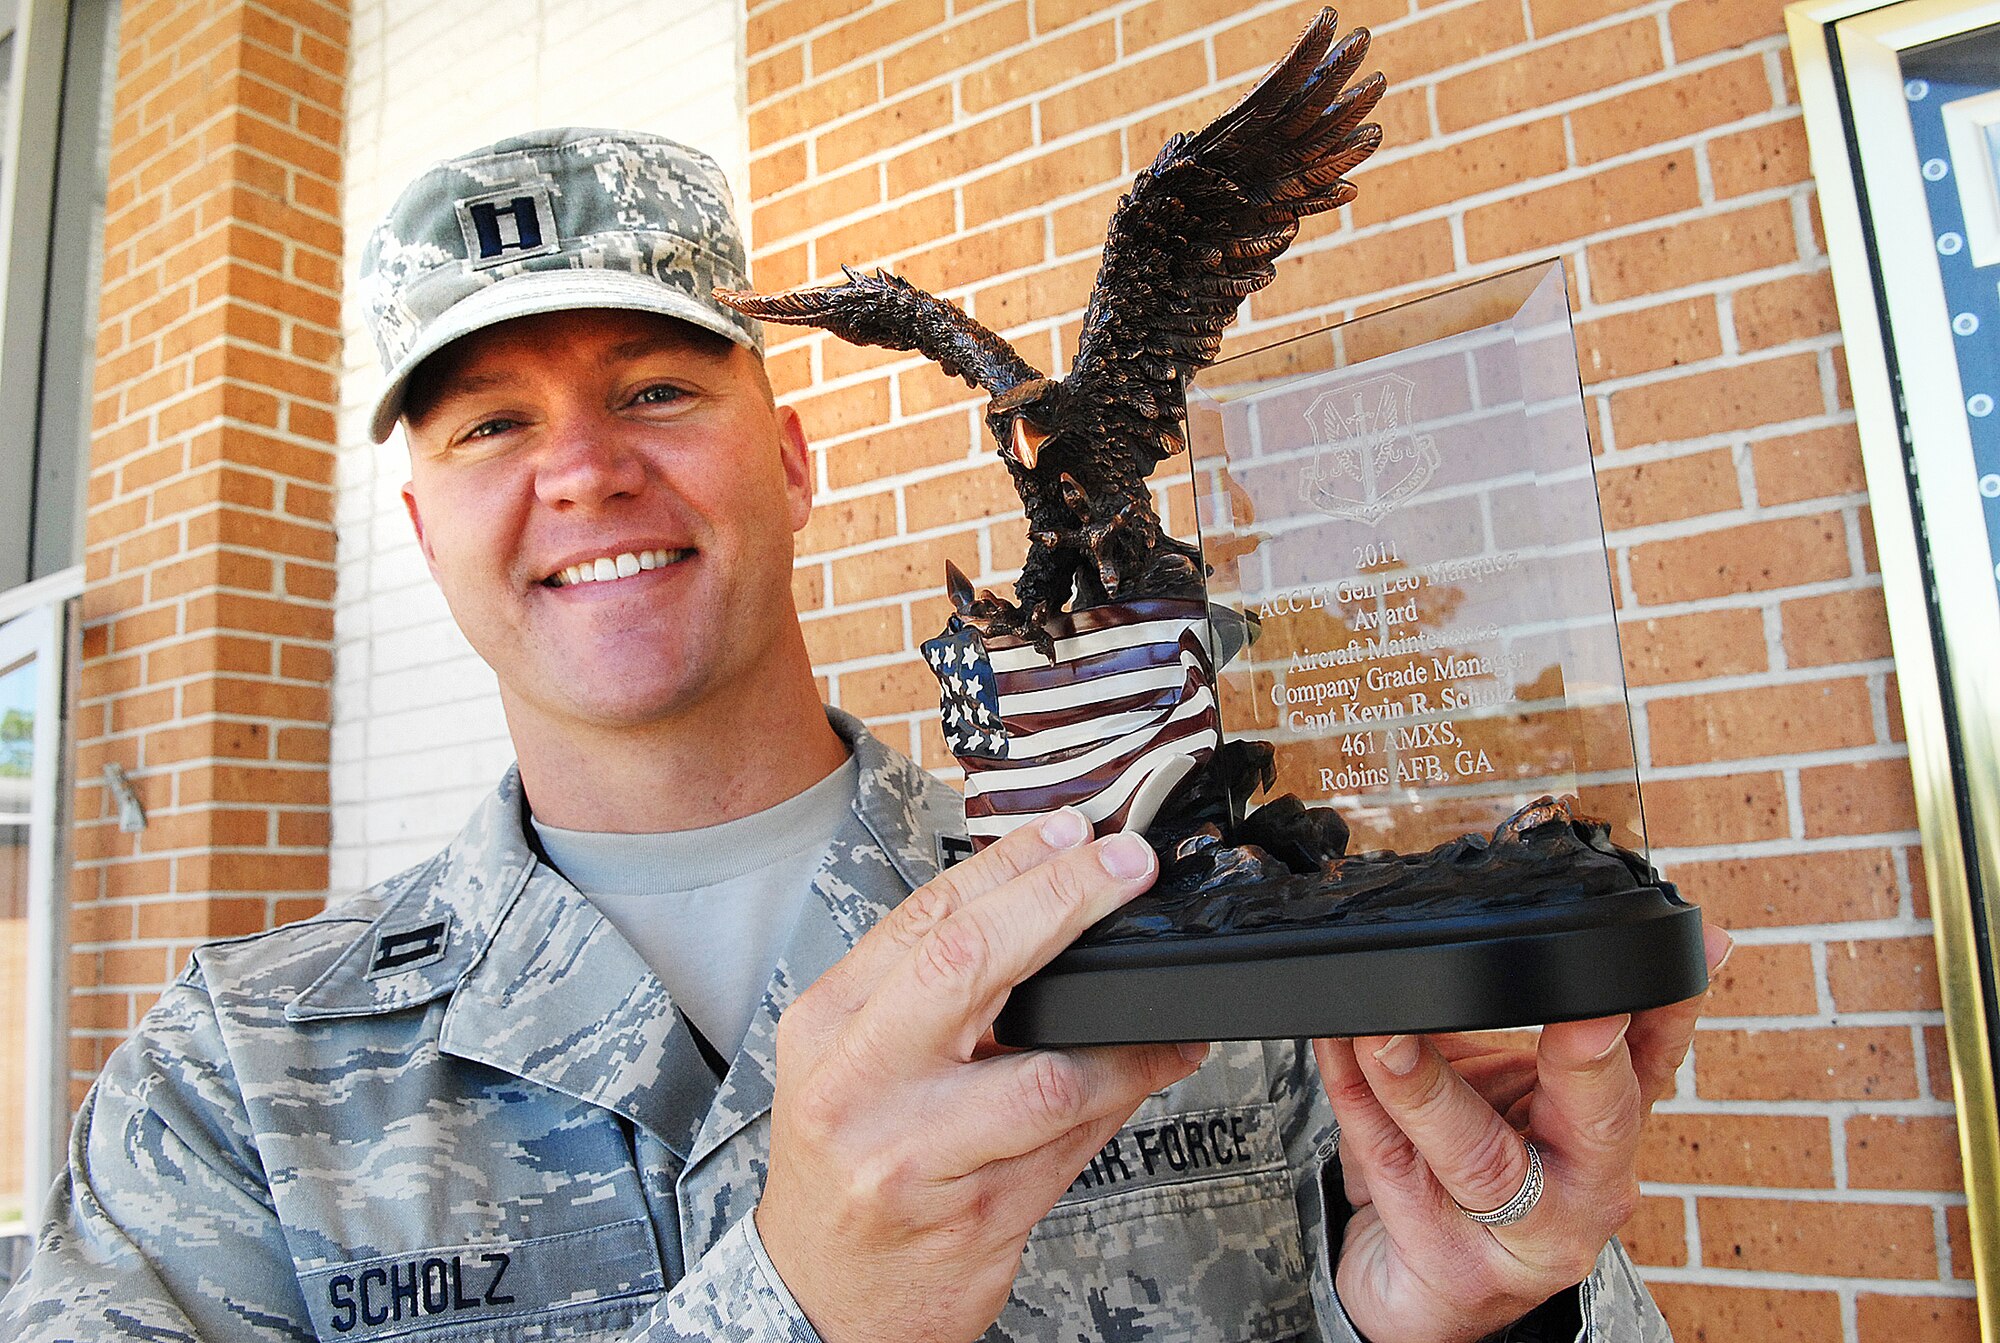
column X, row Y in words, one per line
column 607, row 500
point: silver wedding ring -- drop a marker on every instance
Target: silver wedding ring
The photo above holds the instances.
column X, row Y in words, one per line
column 1519, row 1206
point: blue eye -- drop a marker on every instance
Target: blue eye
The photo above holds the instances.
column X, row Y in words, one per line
column 488, row 428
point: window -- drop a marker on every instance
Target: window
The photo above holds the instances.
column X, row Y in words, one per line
column 56, row 62
column 35, row 627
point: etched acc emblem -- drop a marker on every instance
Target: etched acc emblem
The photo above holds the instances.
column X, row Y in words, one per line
column 1369, row 459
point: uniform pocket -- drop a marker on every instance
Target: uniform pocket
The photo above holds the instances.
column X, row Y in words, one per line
column 1183, row 1227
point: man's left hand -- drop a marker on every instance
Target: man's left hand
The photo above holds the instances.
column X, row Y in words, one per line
column 1424, row 1136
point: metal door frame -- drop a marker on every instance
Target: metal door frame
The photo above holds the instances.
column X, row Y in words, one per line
column 1944, row 620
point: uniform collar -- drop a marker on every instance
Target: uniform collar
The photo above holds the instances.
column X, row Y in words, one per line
column 902, row 806
column 561, row 999
column 437, row 919
column 543, row 987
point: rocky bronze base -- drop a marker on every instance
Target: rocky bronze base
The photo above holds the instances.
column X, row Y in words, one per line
column 1611, row 953
column 1278, row 932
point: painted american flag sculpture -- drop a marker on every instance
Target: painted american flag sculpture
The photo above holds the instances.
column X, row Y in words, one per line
column 1124, row 712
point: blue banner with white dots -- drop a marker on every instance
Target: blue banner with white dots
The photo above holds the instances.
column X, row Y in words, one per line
column 1935, row 78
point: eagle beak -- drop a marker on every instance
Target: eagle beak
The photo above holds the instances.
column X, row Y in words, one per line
column 1028, row 442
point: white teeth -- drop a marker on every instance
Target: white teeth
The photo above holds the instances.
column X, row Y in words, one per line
column 623, row 565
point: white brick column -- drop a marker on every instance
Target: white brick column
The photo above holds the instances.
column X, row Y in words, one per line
column 417, row 732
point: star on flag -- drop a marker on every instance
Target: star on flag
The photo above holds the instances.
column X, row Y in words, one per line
column 969, row 700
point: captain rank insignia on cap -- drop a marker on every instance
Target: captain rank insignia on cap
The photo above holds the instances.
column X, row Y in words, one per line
column 508, row 225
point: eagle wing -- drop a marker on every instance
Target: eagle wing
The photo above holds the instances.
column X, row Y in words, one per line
column 1201, row 229
column 887, row 310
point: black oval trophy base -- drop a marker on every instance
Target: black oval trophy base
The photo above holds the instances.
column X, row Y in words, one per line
column 1614, row 953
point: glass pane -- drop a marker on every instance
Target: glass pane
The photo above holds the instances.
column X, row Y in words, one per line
column 1404, row 507
column 18, row 693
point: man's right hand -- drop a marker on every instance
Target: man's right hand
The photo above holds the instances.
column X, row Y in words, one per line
column 909, row 1159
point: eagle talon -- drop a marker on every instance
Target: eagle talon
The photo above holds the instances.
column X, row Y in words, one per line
column 985, row 611
column 1010, row 620
column 1037, row 631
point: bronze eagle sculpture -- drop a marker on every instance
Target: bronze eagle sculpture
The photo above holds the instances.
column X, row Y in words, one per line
column 1198, row 233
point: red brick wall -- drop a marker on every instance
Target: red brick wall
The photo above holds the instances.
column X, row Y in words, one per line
column 1804, row 1182
column 209, row 538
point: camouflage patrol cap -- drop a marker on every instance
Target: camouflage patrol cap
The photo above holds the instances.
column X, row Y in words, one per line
column 547, row 222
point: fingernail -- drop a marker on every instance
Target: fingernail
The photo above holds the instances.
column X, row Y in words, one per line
column 1624, row 1024
column 1065, row 828
column 1717, row 944
column 1126, row 856
column 1194, row 1051
column 1399, row 1054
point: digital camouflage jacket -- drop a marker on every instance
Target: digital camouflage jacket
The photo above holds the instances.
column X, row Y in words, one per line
column 459, row 1107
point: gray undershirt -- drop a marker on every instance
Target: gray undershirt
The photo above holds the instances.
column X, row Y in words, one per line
column 710, row 910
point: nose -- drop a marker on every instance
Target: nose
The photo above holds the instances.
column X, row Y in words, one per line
column 588, row 461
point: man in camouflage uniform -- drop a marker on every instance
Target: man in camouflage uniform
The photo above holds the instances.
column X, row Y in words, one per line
column 462, row 1106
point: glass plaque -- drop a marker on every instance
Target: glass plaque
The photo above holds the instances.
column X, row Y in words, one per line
column 1404, row 507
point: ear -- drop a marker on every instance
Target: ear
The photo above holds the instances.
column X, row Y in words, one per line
column 797, row 460
column 417, row 524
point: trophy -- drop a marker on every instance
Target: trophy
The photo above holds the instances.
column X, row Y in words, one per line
column 1364, row 695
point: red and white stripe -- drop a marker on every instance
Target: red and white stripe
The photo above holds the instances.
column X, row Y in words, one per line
column 1124, row 713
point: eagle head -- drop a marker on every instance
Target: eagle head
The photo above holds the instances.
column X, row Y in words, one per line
column 1024, row 417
